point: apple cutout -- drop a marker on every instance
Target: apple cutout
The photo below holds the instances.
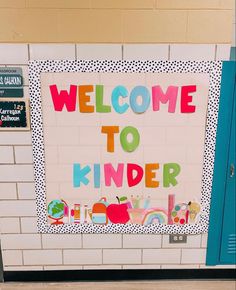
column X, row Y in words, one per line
column 117, row 213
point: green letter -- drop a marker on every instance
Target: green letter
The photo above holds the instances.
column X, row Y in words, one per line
column 126, row 145
column 100, row 107
column 170, row 171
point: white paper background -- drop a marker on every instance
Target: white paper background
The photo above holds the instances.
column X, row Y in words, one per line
column 74, row 137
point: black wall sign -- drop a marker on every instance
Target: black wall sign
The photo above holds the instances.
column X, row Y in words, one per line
column 13, row 114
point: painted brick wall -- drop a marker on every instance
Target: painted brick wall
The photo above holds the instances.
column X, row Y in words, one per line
column 117, row 21
column 23, row 248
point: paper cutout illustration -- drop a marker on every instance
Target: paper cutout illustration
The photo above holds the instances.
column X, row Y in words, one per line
column 194, row 211
column 180, row 214
column 136, row 210
column 117, row 213
column 155, row 216
column 99, row 212
column 56, row 211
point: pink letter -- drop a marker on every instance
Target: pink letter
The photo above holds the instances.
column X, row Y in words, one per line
column 111, row 173
column 59, row 100
column 132, row 181
column 158, row 96
column 185, row 99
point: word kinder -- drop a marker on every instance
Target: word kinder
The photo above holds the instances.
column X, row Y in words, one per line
column 134, row 174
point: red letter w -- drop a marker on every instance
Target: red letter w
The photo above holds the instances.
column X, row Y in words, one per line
column 63, row 98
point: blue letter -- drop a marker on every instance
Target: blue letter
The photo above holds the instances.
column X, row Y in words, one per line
column 79, row 175
column 96, row 169
column 144, row 93
column 119, row 91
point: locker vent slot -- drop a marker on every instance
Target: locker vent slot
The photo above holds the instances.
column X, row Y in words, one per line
column 231, row 244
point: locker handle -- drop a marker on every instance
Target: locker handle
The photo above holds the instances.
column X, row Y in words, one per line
column 231, row 170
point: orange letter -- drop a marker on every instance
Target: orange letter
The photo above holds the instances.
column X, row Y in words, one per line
column 110, row 131
column 84, row 99
column 149, row 175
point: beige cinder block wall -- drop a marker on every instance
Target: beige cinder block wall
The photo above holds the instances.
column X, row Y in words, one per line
column 117, row 21
column 167, row 29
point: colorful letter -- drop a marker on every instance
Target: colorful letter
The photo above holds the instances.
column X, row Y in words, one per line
column 111, row 173
column 100, row 107
column 159, row 96
column 79, row 175
column 186, row 99
column 84, row 99
column 131, row 168
column 96, row 169
column 170, row 171
column 142, row 92
column 110, row 131
column 150, row 175
column 63, row 98
column 119, row 91
column 126, row 145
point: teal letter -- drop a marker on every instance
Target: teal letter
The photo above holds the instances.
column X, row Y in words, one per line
column 96, row 169
column 119, row 91
column 144, row 93
column 79, row 175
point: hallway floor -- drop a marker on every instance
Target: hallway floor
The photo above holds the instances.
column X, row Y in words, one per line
column 121, row 285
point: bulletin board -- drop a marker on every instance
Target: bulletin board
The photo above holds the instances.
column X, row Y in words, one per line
column 124, row 146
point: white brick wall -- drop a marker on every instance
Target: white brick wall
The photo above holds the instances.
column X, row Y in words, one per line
column 23, row 154
column 8, row 191
column 20, row 241
column 12, row 173
column 98, row 51
column 6, row 154
column 102, row 241
column 146, row 51
column 17, row 208
column 9, row 225
column 16, row 54
column 192, row 52
column 52, row 51
column 161, row 256
column 142, row 241
column 15, row 138
column 82, row 257
column 122, row 256
column 26, row 190
column 23, row 268
column 13, row 257
column 193, row 256
column 28, row 225
column 42, row 257
column 61, row 241
column 23, row 248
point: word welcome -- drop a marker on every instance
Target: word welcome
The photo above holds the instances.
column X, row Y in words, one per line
column 82, row 95
column 134, row 174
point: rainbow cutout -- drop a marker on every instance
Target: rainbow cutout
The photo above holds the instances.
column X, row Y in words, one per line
column 155, row 215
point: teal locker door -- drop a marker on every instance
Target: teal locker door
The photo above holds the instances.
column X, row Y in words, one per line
column 221, row 246
column 228, row 241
